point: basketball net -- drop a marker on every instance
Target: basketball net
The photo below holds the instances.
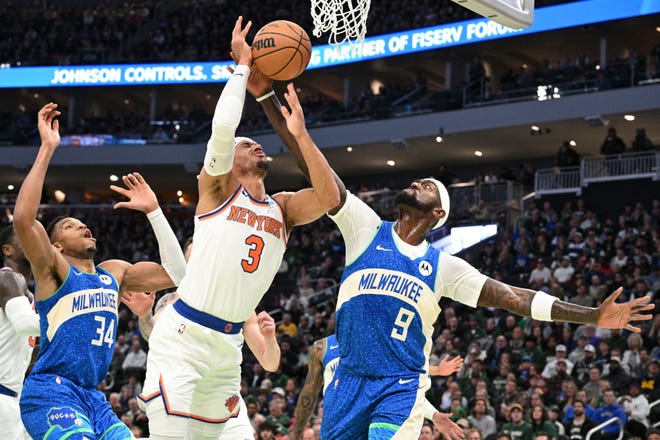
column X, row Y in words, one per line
column 346, row 20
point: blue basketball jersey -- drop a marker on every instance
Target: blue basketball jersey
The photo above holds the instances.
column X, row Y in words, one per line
column 330, row 359
column 78, row 326
column 386, row 309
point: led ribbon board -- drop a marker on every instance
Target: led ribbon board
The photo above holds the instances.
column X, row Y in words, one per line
column 551, row 18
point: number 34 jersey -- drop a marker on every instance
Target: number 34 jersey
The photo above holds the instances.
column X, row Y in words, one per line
column 78, row 326
column 237, row 251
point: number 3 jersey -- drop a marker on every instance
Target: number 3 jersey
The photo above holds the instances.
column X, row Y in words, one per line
column 237, row 251
column 389, row 294
column 78, row 326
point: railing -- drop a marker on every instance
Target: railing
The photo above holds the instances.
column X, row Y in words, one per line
column 651, row 406
column 625, row 166
column 595, row 429
column 620, row 166
column 558, row 180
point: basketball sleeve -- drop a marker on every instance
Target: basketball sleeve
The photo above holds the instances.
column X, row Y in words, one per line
column 22, row 317
column 358, row 224
column 220, row 147
column 459, row 281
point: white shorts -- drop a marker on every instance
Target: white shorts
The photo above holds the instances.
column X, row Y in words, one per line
column 10, row 419
column 193, row 377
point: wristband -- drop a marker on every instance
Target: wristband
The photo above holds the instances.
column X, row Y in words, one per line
column 429, row 410
column 542, row 306
column 266, row 96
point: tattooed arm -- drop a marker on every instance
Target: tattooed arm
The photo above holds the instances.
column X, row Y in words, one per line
column 609, row 315
column 311, row 390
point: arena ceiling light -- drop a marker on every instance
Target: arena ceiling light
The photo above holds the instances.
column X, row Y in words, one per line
column 113, row 178
column 478, row 153
column 391, row 163
column 349, row 149
column 572, row 143
column 179, row 193
column 10, row 187
column 629, row 118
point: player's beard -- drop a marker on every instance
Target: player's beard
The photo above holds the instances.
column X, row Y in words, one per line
column 404, row 198
column 263, row 165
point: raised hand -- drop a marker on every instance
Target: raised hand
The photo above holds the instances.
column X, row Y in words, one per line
column 266, row 325
column 139, row 193
column 49, row 127
column 447, row 367
column 258, row 84
column 242, row 52
column 449, row 429
column 140, row 303
column 295, row 119
column 619, row 316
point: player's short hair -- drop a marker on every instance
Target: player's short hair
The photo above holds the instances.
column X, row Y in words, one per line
column 51, row 226
column 6, row 234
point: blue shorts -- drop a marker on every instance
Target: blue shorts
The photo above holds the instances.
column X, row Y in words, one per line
column 360, row 408
column 53, row 407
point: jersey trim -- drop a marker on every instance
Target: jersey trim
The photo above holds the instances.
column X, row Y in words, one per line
column 284, row 223
column 222, row 207
column 255, row 201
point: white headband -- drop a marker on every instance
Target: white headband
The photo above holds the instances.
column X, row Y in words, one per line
column 239, row 139
column 444, row 201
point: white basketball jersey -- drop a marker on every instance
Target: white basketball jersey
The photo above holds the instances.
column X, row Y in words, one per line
column 15, row 353
column 237, row 251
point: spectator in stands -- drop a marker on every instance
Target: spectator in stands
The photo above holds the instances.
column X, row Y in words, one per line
column 636, row 407
column 584, row 365
column 578, row 426
column 610, row 409
column 550, row 369
column 135, row 362
column 567, row 156
column 617, row 376
column 641, row 143
column 631, row 356
column 540, row 276
column 517, row 428
column 426, row 434
column 480, row 418
column 564, row 273
column 612, row 144
column 540, row 423
column 287, row 327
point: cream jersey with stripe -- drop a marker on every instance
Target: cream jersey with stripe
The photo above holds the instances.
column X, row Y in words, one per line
column 15, row 353
column 237, row 251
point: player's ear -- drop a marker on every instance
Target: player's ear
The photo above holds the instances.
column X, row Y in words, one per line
column 438, row 212
column 7, row 250
column 58, row 247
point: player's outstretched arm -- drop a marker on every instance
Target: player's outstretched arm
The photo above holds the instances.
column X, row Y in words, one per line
column 142, row 198
column 259, row 333
column 543, row 307
column 443, row 423
column 261, row 87
column 325, row 195
column 310, row 391
column 29, row 230
column 215, row 179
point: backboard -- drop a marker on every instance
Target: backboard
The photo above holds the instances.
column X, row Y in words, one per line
column 516, row 14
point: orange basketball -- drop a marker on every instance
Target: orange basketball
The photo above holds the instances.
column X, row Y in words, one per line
column 281, row 50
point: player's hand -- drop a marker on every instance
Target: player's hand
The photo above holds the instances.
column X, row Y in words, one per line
column 140, row 303
column 449, row 429
column 295, row 119
column 242, row 51
column 49, row 127
column 266, row 325
column 619, row 316
column 140, row 195
column 447, row 366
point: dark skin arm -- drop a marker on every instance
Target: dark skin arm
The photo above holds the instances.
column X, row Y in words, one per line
column 610, row 314
column 259, row 85
column 311, row 390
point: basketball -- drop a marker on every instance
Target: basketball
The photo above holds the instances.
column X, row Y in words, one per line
column 281, row 50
